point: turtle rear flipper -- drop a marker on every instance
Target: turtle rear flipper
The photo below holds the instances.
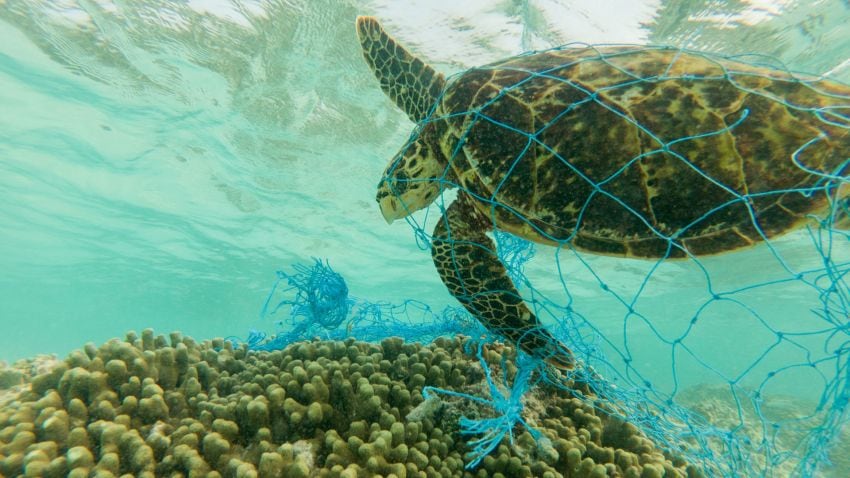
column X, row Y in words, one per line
column 467, row 262
column 407, row 80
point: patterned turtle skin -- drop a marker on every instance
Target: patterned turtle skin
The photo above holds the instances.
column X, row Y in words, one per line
column 649, row 152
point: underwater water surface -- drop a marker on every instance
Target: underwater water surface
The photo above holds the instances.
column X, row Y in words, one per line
column 160, row 161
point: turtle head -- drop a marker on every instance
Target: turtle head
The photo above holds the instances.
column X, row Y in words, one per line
column 414, row 178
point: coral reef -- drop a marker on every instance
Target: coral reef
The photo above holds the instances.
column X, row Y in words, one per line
column 155, row 406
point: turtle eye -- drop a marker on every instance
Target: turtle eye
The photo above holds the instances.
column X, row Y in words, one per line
column 400, row 183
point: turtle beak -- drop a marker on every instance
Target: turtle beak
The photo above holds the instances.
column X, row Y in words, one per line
column 390, row 209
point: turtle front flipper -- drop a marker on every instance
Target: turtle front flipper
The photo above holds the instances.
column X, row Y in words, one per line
column 407, row 80
column 467, row 262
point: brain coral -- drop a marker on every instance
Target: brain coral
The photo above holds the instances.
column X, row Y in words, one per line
column 151, row 406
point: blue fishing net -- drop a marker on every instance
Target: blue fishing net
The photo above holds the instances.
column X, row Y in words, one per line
column 744, row 373
column 319, row 306
column 505, row 400
column 739, row 362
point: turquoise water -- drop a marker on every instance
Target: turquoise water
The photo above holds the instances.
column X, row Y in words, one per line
column 150, row 180
column 159, row 161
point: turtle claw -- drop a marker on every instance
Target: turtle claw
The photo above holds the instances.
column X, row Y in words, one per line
column 561, row 362
column 557, row 355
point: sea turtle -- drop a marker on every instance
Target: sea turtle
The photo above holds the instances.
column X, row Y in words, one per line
column 634, row 151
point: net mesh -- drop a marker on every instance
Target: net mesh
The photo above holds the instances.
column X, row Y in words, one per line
column 737, row 361
column 319, row 306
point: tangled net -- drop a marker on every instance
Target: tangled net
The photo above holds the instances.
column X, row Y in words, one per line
column 320, row 307
column 732, row 381
column 739, row 362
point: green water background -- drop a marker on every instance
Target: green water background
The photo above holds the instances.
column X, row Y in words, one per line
column 160, row 160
